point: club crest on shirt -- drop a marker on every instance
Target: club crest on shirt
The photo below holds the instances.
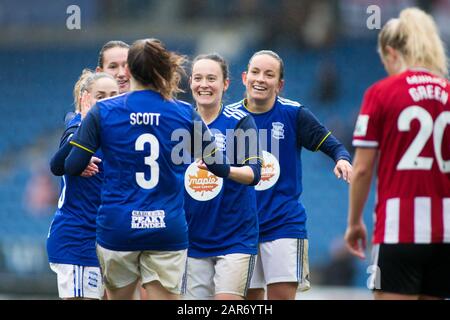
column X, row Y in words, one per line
column 221, row 142
column 270, row 172
column 277, row 130
column 200, row 184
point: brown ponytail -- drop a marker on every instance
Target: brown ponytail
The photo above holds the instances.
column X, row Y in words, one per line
column 151, row 64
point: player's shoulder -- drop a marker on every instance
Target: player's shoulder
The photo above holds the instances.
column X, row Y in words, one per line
column 386, row 84
column 288, row 103
column 183, row 104
column 72, row 119
column 113, row 102
column 239, row 105
column 289, row 106
column 183, row 107
column 235, row 111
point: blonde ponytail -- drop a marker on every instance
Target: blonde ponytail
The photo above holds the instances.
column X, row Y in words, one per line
column 415, row 35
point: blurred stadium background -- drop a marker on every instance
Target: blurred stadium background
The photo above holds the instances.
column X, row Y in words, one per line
column 330, row 57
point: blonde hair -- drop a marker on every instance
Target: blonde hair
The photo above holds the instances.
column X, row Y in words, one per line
column 84, row 83
column 415, row 35
column 77, row 89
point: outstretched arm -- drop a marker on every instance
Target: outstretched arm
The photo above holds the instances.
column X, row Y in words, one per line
column 336, row 151
column 312, row 135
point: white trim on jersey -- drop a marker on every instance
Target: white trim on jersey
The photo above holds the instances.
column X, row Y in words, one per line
column 235, row 105
column 446, row 212
column 422, row 220
column 364, row 143
column 235, row 113
column 391, row 224
column 185, row 103
column 288, row 102
column 108, row 98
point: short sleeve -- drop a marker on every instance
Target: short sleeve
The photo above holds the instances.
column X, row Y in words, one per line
column 368, row 125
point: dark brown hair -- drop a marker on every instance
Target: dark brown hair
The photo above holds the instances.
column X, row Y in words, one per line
column 151, row 64
column 273, row 55
column 110, row 45
column 217, row 58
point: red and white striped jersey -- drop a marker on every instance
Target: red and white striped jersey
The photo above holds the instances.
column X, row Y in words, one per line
column 407, row 117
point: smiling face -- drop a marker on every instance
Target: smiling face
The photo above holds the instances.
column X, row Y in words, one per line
column 114, row 62
column 208, row 83
column 100, row 89
column 103, row 88
column 262, row 79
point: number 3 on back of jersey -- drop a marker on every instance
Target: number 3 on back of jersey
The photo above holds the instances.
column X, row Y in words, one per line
column 149, row 160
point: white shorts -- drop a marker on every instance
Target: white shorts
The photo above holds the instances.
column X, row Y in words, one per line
column 282, row 260
column 121, row 268
column 206, row 277
column 76, row 281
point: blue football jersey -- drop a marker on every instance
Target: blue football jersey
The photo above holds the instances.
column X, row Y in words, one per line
column 143, row 195
column 71, row 237
column 284, row 130
column 222, row 214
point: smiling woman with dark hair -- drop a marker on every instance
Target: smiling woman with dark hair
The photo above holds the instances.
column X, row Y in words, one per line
column 282, row 262
column 223, row 221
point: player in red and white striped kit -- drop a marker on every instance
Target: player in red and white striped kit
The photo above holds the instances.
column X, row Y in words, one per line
column 404, row 126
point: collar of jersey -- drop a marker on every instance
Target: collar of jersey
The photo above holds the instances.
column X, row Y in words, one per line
column 244, row 103
column 217, row 116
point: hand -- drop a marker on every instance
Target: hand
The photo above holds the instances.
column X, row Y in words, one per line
column 201, row 165
column 85, row 103
column 344, row 170
column 355, row 238
column 92, row 168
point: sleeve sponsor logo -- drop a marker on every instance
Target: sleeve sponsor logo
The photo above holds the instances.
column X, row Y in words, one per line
column 361, row 125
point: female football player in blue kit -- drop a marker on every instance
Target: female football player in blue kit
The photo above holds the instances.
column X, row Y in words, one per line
column 71, row 239
column 141, row 225
column 112, row 59
column 282, row 263
column 221, row 213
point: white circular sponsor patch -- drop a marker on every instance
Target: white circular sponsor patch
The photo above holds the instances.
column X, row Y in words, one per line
column 201, row 185
column 270, row 172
